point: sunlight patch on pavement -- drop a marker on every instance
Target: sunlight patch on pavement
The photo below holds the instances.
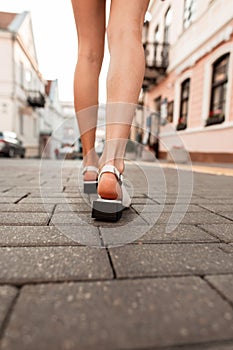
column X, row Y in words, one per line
column 192, row 167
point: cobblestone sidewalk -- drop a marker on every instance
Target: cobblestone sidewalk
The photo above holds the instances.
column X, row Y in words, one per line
column 68, row 283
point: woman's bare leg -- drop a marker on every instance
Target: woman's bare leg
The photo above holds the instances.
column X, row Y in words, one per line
column 125, row 77
column 90, row 23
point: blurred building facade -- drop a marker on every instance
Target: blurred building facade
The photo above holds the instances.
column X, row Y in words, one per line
column 29, row 104
column 70, row 130
column 188, row 77
column 51, row 120
column 22, row 88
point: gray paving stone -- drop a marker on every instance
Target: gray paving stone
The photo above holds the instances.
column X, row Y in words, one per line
column 228, row 215
column 73, row 207
column 182, row 233
column 118, row 315
column 73, row 189
column 142, row 200
column 51, row 200
column 14, row 193
column 37, row 189
column 71, row 218
column 50, row 194
column 222, row 345
column 165, row 208
column 170, row 260
column 7, row 295
column 4, row 188
column 169, row 193
column 79, row 218
column 115, row 236
column 222, row 200
column 224, row 284
column 221, row 231
column 185, row 218
column 48, row 236
column 40, row 264
column 9, row 200
column 217, row 208
column 219, row 195
column 15, row 218
column 39, row 208
column 182, row 200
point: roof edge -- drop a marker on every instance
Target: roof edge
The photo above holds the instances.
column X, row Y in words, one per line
column 17, row 21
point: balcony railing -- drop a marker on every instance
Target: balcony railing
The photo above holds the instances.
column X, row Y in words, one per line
column 157, row 60
column 36, row 99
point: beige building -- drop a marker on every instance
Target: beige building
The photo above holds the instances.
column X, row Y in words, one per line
column 51, row 122
column 22, row 87
column 70, row 130
column 188, row 76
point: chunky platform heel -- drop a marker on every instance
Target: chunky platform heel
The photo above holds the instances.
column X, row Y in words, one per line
column 111, row 209
column 90, row 186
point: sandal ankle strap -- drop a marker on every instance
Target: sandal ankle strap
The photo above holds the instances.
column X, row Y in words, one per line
column 90, row 168
column 113, row 170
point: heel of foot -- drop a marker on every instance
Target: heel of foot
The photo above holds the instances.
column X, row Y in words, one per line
column 108, row 187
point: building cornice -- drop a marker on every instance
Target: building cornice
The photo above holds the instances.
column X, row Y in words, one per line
column 224, row 35
column 16, row 37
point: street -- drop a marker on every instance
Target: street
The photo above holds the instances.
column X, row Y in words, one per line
column 71, row 283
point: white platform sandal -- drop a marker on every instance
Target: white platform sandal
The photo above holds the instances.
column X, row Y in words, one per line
column 90, row 186
column 111, row 209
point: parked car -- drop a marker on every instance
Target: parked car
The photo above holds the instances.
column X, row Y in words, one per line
column 99, row 145
column 66, row 152
column 78, row 149
column 70, row 151
column 10, row 145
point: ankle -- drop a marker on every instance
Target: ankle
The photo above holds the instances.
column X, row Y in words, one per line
column 117, row 163
column 91, row 159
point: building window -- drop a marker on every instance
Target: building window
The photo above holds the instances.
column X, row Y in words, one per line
column 145, row 29
column 156, row 41
column 28, row 76
column 184, row 102
column 167, row 25
column 189, row 12
column 170, row 108
column 158, row 101
column 21, row 74
column 21, row 127
column 218, row 91
column 156, row 34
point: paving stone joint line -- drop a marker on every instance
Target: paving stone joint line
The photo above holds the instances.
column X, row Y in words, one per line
column 212, row 286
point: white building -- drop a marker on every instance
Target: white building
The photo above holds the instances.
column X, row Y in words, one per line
column 22, row 87
column 51, row 122
column 189, row 73
column 70, row 129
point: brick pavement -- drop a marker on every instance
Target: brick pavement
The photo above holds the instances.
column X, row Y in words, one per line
column 67, row 282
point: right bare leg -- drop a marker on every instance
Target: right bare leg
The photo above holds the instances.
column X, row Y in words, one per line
column 90, row 23
column 125, row 77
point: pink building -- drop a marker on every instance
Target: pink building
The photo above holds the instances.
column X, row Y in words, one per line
column 188, row 76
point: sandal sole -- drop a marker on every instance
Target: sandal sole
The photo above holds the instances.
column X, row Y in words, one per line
column 107, row 210
column 90, row 187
